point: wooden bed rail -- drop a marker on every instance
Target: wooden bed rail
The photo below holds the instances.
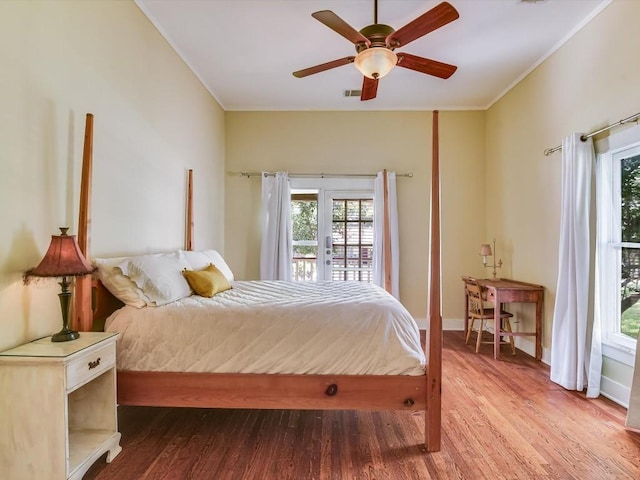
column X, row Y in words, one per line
column 272, row 391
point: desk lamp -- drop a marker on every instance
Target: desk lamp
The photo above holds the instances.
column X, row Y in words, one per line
column 485, row 251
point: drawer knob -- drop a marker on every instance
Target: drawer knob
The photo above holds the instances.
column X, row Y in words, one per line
column 94, row 364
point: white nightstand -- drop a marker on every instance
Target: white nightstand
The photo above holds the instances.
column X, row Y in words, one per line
column 58, row 407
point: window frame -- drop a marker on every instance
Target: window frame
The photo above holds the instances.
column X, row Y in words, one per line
column 611, row 151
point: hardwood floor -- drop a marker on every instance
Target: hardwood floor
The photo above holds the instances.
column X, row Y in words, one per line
column 501, row 420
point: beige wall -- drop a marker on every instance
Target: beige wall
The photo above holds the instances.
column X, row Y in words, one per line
column 356, row 142
column 592, row 81
column 153, row 121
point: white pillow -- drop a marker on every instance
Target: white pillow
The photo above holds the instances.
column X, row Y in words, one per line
column 120, row 286
column 202, row 258
column 159, row 276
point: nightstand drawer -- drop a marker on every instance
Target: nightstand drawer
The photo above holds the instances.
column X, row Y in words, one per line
column 90, row 365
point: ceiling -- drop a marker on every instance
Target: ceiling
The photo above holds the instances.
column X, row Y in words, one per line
column 244, row 51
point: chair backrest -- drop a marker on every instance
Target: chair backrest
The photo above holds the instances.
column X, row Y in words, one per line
column 474, row 293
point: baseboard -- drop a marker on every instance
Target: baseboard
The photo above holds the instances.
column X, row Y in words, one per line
column 615, row 391
column 447, row 324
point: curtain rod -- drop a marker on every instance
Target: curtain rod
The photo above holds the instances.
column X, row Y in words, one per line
column 632, row 118
column 322, row 175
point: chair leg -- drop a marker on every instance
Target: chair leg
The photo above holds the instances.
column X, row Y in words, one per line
column 469, row 329
column 507, row 327
column 479, row 335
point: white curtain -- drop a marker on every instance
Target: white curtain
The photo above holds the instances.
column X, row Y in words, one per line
column 572, row 364
column 276, row 249
column 378, row 232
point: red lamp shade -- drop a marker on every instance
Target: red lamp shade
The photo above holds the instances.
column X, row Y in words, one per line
column 63, row 259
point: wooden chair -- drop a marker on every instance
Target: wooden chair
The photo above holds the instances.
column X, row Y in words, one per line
column 478, row 311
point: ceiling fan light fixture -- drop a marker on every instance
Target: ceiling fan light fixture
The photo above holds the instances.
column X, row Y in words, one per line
column 375, row 62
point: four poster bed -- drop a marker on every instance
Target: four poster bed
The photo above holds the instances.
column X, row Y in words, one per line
column 335, row 387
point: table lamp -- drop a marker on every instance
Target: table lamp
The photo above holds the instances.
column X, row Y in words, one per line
column 63, row 259
column 485, row 251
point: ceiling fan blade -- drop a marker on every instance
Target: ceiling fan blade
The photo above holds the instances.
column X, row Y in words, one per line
column 425, row 65
column 435, row 18
column 323, row 66
column 335, row 23
column 369, row 89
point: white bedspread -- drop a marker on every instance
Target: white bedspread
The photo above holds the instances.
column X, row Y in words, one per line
column 348, row 328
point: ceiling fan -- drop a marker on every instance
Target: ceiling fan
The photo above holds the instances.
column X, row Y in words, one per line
column 375, row 45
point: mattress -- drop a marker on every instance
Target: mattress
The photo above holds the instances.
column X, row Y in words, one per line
column 338, row 328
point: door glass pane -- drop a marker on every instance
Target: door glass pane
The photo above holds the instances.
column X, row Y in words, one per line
column 353, row 210
column 366, row 253
column 367, row 210
column 304, row 223
column 338, row 256
column 353, row 233
column 338, row 211
column 367, row 233
column 338, row 233
column 304, row 217
column 353, row 253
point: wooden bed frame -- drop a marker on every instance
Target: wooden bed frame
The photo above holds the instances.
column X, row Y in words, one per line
column 269, row 391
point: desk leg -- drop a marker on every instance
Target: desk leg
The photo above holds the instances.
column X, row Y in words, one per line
column 496, row 326
column 466, row 311
column 539, row 328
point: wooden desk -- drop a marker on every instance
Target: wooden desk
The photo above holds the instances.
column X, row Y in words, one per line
column 504, row 290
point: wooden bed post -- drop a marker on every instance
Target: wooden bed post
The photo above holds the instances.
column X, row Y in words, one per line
column 189, row 233
column 82, row 319
column 433, row 413
column 386, row 243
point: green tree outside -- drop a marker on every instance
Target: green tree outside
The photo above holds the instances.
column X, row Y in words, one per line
column 630, row 226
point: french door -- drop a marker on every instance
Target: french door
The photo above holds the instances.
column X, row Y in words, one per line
column 332, row 235
column 348, row 236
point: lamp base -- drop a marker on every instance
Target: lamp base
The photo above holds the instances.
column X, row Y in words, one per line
column 65, row 335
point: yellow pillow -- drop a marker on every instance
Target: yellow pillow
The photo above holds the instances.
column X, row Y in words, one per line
column 207, row 282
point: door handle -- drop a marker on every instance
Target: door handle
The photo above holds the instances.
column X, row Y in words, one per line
column 327, row 245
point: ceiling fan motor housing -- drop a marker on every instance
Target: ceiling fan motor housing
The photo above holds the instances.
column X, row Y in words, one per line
column 377, row 35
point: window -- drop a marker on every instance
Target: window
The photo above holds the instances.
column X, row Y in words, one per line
column 630, row 245
column 618, row 245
